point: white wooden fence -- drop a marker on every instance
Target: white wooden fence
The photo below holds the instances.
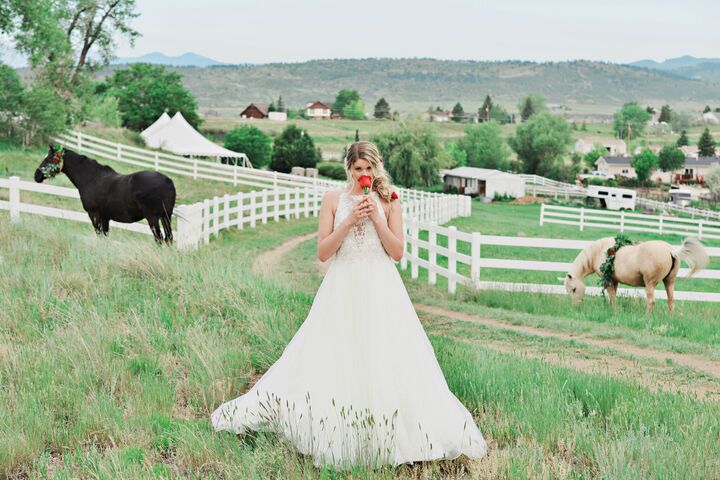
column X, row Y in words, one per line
column 626, row 221
column 536, row 184
column 198, row 222
column 16, row 206
column 473, row 262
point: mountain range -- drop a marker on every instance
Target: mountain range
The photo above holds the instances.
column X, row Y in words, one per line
column 188, row 59
column 686, row 66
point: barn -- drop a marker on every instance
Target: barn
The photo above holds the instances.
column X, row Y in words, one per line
column 255, row 110
column 483, row 182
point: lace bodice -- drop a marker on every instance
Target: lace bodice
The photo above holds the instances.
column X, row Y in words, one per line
column 362, row 242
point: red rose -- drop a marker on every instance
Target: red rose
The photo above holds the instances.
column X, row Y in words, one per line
column 394, row 195
column 611, row 252
column 365, row 183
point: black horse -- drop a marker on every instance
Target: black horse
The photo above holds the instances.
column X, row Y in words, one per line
column 107, row 195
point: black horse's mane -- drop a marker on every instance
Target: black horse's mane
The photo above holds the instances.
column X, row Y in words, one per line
column 90, row 161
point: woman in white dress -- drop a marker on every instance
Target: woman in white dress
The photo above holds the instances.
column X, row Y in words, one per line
column 359, row 383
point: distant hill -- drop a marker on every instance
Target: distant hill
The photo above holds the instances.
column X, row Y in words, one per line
column 415, row 84
column 707, row 69
column 188, row 59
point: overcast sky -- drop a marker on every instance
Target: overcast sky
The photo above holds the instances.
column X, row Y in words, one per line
column 261, row 31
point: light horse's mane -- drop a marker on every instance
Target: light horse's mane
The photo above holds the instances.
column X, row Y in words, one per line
column 584, row 263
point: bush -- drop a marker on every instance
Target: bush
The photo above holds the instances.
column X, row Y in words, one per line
column 252, row 142
column 334, row 170
column 294, row 148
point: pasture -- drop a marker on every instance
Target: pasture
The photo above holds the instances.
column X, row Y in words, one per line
column 111, row 369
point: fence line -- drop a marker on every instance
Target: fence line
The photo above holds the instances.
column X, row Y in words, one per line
column 626, row 221
column 474, row 262
column 547, row 186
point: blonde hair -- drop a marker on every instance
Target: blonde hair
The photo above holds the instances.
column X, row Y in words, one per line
column 363, row 150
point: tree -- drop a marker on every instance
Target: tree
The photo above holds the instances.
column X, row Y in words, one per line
column 644, row 164
column 712, row 180
column 457, row 156
column 671, row 158
column 280, row 104
column 500, row 115
column 682, row 140
column 707, row 109
column 145, row 91
column 294, row 148
column 706, row 144
column 681, row 120
column 665, row 114
column 650, row 110
column 458, row 113
column 592, row 156
column 354, row 110
column 484, row 146
column 11, row 99
column 485, row 112
column 343, row 98
column 530, row 105
column 633, row 114
column 382, row 109
column 540, row 143
column 412, row 154
column 64, row 39
column 252, row 142
column 44, row 114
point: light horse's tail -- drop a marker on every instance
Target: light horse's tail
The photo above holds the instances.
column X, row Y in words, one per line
column 693, row 253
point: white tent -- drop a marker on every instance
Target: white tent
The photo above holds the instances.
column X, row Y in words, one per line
column 176, row 135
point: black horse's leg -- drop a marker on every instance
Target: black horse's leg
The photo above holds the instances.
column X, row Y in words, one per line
column 96, row 222
column 105, row 226
column 167, row 227
column 155, row 228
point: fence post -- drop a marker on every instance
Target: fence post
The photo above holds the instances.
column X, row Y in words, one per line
column 297, row 202
column 475, row 259
column 235, row 175
column 414, row 261
column 14, row 198
column 79, row 140
column 582, row 218
column 206, row 221
column 452, row 262
column 661, row 225
column 189, row 226
column 264, row 206
column 157, row 161
column 253, row 194
column 432, row 256
column 194, row 167
column 241, row 210
column 118, row 151
column 216, row 215
column 275, row 175
column 226, row 210
column 276, row 205
column 622, row 221
column 403, row 260
column 542, row 213
column 700, row 230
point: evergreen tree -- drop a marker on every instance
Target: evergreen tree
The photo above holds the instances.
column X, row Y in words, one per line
column 458, row 113
column 706, row 144
column 707, row 109
column 485, row 112
column 665, row 114
column 294, row 148
column 271, row 107
column 280, row 104
column 650, row 110
column 382, row 109
column 527, row 110
column 682, row 139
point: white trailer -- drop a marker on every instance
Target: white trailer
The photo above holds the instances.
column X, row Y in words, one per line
column 613, row 198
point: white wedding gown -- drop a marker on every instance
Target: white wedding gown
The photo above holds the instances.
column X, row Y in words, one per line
column 359, row 382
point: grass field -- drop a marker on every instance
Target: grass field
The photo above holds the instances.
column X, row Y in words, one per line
column 110, row 369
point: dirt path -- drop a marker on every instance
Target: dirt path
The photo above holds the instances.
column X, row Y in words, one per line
column 655, row 373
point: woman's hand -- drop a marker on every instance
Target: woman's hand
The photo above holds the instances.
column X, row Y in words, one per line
column 374, row 212
column 361, row 210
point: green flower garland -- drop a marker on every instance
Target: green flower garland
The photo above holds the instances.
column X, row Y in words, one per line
column 56, row 164
column 608, row 267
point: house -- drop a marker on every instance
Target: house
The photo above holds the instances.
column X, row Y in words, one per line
column 318, row 109
column 695, row 169
column 655, row 148
column 614, row 147
column 483, row 182
column 615, row 166
column 690, row 150
column 440, row 116
column 255, row 110
column 711, row 118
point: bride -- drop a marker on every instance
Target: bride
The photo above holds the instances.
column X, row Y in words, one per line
column 359, row 383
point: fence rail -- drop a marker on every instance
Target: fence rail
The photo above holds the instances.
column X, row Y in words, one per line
column 471, row 243
column 626, row 221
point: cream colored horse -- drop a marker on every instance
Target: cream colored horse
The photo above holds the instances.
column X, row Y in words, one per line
column 644, row 264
